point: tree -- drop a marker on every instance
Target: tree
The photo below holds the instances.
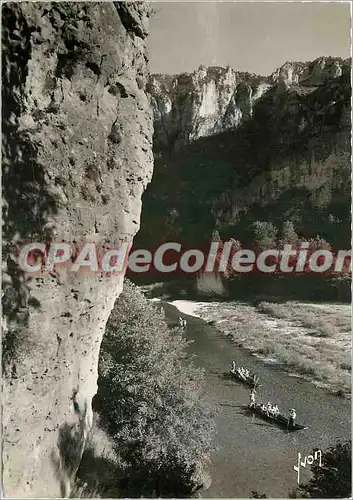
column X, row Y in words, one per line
column 334, row 478
column 289, row 236
column 149, row 397
column 264, row 234
column 319, row 243
column 215, row 235
column 255, row 494
column 234, row 246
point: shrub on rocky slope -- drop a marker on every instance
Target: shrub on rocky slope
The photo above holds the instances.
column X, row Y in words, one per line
column 149, row 400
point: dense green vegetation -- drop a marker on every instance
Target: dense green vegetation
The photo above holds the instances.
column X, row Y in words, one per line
column 149, row 401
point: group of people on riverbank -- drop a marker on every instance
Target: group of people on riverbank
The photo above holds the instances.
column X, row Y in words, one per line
column 182, row 322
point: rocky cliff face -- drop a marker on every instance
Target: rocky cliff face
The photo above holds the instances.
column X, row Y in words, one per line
column 229, row 145
column 208, row 101
column 76, row 158
column 214, row 99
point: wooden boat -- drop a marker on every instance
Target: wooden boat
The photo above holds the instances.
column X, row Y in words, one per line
column 252, row 380
column 280, row 420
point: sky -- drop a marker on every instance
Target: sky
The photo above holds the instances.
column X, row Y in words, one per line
column 257, row 37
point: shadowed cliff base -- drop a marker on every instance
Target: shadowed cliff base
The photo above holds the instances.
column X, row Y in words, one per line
column 250, row 288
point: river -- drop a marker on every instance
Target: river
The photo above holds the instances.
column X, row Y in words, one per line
column 252, row 454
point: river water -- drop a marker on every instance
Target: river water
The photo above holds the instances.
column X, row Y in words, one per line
column 252, row 454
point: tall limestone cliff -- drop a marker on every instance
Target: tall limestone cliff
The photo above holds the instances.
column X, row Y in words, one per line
column 208, row 101
column 233, row 147
column 77, row 156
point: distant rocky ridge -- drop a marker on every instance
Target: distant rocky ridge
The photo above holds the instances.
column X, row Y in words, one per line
column 233, row 147
column 214, row 99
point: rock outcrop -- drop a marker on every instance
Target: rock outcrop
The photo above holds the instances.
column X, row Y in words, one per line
column 232, row 148
column 77, row 155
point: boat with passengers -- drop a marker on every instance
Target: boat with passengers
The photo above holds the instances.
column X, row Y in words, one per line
column 278, row 419
column 244, row 375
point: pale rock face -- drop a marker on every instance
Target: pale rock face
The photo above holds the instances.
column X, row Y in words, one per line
column 77, row 158
column 210, row 284
column 287, row 74
column 208, row 100
column 200, row 104
column 311, row 74
column 212, row 97
column 260, row 91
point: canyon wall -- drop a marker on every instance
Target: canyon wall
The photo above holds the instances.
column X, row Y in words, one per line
column 208, row 101
column 232, row 148
column 214, row 99
column 77, row 156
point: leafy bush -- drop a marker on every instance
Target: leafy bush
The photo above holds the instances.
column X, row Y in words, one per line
column 289, row 234
column 149, row 398
column 264, row 234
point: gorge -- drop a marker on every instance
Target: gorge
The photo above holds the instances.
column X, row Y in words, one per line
column 84, row 124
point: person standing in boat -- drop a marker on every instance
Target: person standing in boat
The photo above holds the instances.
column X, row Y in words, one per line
column 269, row 408
column 252, row 403
column 292, row 417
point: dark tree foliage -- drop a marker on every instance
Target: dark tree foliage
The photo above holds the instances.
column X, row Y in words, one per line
column 255, row 494
column 334, row 478
column 173, row 478
column 150, row 401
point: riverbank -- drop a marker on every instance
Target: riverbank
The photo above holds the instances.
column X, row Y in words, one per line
column 311, row 340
